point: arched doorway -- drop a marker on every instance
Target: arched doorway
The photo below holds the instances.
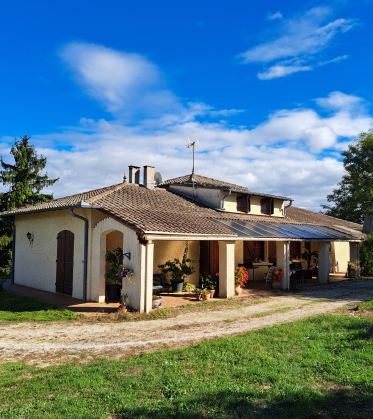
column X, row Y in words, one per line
column 65, row 262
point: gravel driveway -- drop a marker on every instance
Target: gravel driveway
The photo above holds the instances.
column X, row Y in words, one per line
column 56, row 342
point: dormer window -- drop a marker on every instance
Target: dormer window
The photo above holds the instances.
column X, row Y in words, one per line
column 243, row 203
column 267, row 206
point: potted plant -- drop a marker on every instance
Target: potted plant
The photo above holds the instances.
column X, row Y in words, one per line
column 179, row 270
column 116, row 273
column 309, row 256
column 209, row 283
column 241, row 276
column 351, row 269
column 277, row 275
column 189, row 287
column 205, row 295
column 157, row 301
column 198, row 293
column 123, row 301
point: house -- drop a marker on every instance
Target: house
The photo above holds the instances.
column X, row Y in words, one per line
column 60, row 245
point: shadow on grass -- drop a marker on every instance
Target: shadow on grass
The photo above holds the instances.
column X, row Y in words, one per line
column 303, row 403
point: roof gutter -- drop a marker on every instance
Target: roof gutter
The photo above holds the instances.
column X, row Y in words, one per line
column 84, row 205
column 13, row 248
column 80, row 204
column 223, row 199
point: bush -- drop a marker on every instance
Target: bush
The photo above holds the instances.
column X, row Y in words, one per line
column 366, row 255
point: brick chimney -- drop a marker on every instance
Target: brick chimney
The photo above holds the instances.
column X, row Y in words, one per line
column 149, row 177
column 134, row 174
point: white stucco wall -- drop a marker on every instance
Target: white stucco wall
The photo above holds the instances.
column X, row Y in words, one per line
column 165, row 250
column 35, row 265
column 342, row 255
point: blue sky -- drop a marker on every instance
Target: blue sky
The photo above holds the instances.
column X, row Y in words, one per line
column 273, row 91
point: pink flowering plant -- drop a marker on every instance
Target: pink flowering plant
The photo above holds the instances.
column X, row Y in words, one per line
column 277, row 274
column 241, row 276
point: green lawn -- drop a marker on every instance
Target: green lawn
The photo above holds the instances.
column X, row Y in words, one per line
column 321, row 367
column 17, row 308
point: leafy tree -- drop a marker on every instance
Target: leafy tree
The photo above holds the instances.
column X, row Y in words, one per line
column 25, row 183
column 354, row 197
column 366, row 255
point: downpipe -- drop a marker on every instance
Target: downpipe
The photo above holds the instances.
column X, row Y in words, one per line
column 85, row 252
column 223, row 199
column 287, row 206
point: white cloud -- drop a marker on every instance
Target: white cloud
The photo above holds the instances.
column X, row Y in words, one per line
column 303, row 36
column 274, row 16
column 279, row 156
column 278, row 70
column 119, row 80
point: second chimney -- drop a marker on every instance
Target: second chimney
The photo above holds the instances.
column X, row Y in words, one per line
column 149, row 177
column 134, row 174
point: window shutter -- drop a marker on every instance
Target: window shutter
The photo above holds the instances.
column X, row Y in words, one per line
column 272, row 206
column 265, row 205
column 242, row 203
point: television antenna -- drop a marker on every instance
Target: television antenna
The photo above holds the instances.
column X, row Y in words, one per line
column 193, row 142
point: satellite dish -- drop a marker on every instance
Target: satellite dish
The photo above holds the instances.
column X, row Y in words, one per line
column 158, row 178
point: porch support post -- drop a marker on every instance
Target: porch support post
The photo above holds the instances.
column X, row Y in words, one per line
column 283, row 261
column 323, row 269
column 354, row 256
column 226, row 269
column 149, row 250
column 100, row 275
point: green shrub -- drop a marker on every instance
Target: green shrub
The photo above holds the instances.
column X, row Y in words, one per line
column 366, row 255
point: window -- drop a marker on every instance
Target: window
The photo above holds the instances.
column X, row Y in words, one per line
column 253, row 251
column 266, row 205
column 243, row 203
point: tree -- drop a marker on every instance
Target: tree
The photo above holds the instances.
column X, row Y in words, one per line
column 366, row 255
column 354, row 197
column 25, row 183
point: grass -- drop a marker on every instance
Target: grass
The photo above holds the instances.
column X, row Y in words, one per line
column 17, row 308
column 321, row 367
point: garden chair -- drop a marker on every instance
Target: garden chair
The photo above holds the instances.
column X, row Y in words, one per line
column 268, row 277
column 160, row 283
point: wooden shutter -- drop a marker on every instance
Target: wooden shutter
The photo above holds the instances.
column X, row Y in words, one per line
column 65, row 262
column 272, row 206
column 265, row 206
column 294, row 250
column 272, row 253
column 204, row 258
column 248, row 252
column 243, row 203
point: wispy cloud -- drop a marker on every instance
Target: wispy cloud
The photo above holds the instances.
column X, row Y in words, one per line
column 274, row 16
column 302, row 37
column 120, row 81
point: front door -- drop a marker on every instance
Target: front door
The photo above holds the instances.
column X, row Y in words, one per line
column 65, row 262
column 209, row 258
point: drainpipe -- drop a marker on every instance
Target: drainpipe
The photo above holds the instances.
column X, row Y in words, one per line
column 223, row 199
column 287, row 206
column 85, row 252
column 13, row 248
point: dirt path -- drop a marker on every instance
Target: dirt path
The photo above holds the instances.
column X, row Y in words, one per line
column 51, row 343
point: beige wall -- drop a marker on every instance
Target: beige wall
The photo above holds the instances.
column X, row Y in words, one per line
column 35, row 265
column 342, row 255
column 165, row 250
column 211, row 197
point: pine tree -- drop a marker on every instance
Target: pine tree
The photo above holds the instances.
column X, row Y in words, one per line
column 25, row 183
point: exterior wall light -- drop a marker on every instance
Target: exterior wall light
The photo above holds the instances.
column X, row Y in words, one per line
column 30, row 238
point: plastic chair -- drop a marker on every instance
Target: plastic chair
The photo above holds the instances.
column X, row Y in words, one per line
column 268, row 277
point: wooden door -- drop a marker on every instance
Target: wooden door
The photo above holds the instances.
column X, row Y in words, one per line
column 272, row 252
column 209, row 258
column 65, row 262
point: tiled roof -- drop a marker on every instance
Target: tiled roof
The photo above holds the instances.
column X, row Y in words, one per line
column 67, row 201
column 207, row 182
column 160, row 210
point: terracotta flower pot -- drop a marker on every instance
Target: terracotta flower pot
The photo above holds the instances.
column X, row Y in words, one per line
column 238, row 290
column 212, row 293
column 205, row 297
column 276, row 285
